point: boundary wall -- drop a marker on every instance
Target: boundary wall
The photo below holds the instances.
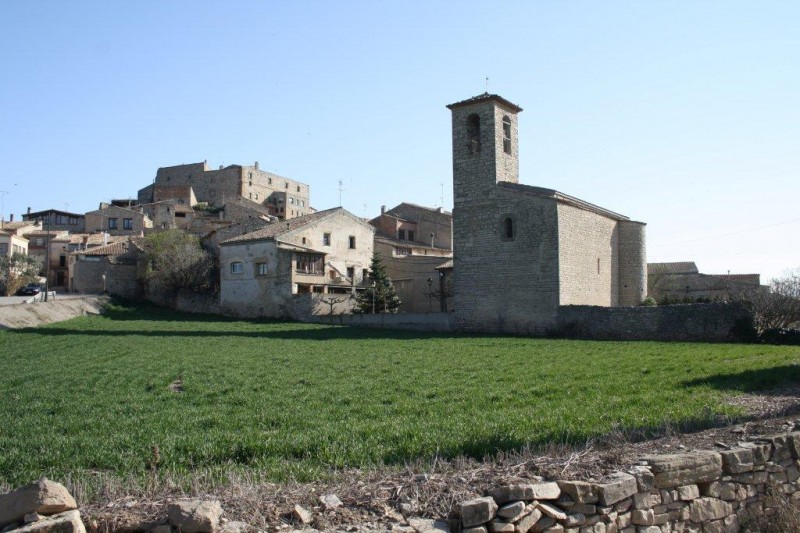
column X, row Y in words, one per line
column 694, row 492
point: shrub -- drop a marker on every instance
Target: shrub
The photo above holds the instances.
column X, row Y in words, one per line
column 649, row 302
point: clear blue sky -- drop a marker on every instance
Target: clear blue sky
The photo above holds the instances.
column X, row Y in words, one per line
column 685, row 115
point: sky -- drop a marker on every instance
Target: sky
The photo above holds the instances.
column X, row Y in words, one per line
column 683, row 115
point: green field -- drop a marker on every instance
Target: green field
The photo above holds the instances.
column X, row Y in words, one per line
column 283, row 400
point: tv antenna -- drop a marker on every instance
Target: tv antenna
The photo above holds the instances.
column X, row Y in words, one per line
column 341, row 188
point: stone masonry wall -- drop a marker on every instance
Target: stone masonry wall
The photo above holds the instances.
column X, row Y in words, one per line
column 704, row 491
column 632, row 262
column 587, row 256
column 696, row 322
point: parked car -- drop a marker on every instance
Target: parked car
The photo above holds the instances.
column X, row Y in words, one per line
column 31, row 289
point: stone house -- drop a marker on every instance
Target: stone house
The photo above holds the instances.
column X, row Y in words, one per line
column 298, row 267
column 117, row 220
column 682, row 282
column 56, row 219
column 522, row 252
column 110, row 268
column 282, row 197
column 12, row 244
column 411, row 242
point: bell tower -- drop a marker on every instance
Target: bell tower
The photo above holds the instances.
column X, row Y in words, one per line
column 485, row 145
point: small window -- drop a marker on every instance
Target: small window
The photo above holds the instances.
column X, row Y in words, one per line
column 112, row 223
column 401, row 234
column 474, row 133
column 509, row 229
column 304, row 240
column 506, row 134
column 332, row 274
column 364, row 274
column 410, row 235
column 298, row 188
column 287, row 184
column 62, row 260
column 351, row 273
column 352, row 242
column 127, row 223
column 251, row 196
column 261, row 269
column 598, row 265
column 237, row 267
column 326, row 239
column 256, row 196
column 269, row 180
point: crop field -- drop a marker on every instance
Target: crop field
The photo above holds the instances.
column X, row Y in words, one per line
column 143, row 389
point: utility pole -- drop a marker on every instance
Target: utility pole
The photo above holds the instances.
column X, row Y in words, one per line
column 47, row 258
column 2, row 207
column 341, row 188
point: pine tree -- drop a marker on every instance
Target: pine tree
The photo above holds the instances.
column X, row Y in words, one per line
column 380, row 296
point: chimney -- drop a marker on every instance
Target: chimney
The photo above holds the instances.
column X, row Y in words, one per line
column 383, row 209
column 29, row 210
column 439, row 209
column 256, row 165
column 85, row 242
column 11, row 219
column 105, row 238
column 221, row 167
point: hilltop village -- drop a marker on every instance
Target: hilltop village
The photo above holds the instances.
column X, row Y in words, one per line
column 511, row 257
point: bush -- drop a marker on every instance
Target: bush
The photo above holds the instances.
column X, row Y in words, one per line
column 649, row 302
column 781, row 336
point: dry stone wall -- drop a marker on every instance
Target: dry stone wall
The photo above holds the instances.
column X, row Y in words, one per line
column 696, row 492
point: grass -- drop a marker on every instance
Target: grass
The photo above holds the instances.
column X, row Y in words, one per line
column 93, row 396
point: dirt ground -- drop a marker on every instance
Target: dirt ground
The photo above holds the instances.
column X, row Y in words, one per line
column 23, row 315
column 383, row 500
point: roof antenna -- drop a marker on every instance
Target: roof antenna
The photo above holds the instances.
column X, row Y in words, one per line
column 341, row 188
column 487, row 84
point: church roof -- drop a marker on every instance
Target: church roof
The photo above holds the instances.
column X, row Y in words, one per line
column 486, row 97
column 560, row 197
column 680, row 267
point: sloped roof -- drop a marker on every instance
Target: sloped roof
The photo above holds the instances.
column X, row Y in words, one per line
column 18, row 224
column 486, row 97
column 114, row 248
column 409, row 244
column 445, row 265
column 560, row 197
column 274, row 229
column 681, row 267
column 44, row 233
column 92, row 239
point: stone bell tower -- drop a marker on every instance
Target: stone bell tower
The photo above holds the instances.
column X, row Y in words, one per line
column 485, row 146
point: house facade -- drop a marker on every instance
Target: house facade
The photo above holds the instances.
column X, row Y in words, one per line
column 57, row 220
column 116, row 220
column 682, row 282
column 296, row 267
column 110, row 268
column 282, row 197
column 521, row 252
column 12, row 244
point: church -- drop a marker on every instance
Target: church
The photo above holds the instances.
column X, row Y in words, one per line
column 522, row 252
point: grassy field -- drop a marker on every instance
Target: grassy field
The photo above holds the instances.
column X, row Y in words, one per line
column 93, row 395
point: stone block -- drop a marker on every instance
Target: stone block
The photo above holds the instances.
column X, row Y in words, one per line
column 545, row 491
column 498, row 526
column 551, row 510
column 44, row 497
column 511, row 493
column 66, row 522
column 477, row 511
column 685, row 469
column 426, row 525
column 643, row 517
column 579, row 491
column 544, row 523
column 644, row 477
column 525, row 525
column 511, row 511
column 705, row 508
column 196, row 516
column 479, row 529
column 575, row 520
column 737, row 461
column 615, row 488
column 688, row 493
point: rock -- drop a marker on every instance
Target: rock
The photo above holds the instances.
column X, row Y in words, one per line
column 543, row 524
column 738, row 461
column 237, row 527
column 580, row 491
column 525, row 525
column 44, row 497
column 162, row 528
column 575, row 520
column 426, row 525
column 301, row 514
column 511, row 510
column 511, row 493
column 546, row 491
column 330, row 501
column 615, row 488
column 551, row 510
column 643, row 517
column 479, row 529
column 497, row 526
column 477, row 511
column 688, row 493
column 705, row 509
column 195, row 516
column 644, row 477
column 66, row 522
column 685, row 469
column 32, row 517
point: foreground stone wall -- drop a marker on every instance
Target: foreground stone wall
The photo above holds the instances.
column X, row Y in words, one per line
column 441, row 322
column 697, row 322
column 695, row 492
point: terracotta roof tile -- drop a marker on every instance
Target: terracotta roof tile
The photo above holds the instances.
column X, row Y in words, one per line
column 273, row 229
column 681, row 267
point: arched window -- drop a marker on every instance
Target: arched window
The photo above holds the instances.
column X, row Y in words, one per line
column 506, row 134
column 474, row 133
column 508, row 229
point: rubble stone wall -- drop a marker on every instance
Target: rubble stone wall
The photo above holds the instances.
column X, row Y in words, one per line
column 704, row 491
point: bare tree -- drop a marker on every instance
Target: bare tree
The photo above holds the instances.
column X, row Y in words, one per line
column 774, row 306
column 175, row 260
